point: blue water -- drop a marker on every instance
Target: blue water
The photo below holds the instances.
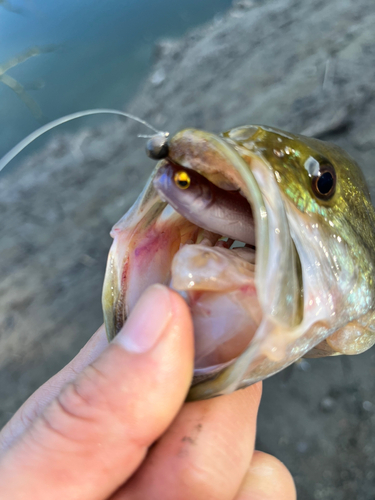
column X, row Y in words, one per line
column 102, row 50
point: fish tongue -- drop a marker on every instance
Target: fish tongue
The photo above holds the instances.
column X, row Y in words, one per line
column 204, row 268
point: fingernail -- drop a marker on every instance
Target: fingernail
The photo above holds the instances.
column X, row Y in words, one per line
column 147, row 321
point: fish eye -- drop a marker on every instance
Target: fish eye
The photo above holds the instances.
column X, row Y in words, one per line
column 182, row 179
column 324, row 184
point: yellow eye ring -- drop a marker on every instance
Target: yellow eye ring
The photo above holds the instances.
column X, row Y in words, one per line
column 182, row 179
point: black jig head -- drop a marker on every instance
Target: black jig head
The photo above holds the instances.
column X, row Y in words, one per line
column 157, row 146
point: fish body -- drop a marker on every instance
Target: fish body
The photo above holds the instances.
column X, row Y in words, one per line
column 306, row 290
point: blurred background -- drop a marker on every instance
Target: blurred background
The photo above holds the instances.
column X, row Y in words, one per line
column 307, row 66
column 90, row 54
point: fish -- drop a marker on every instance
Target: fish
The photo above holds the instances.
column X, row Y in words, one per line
column 269, row 236
column 200, row 201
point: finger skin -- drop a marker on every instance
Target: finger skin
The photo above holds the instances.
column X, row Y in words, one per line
column 36, row 403
column 267, row 479
column 96, row 433
column 203, row 455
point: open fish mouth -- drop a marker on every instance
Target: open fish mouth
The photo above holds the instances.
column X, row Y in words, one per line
column 215, row 270
column 244, row 294
column 268, row 237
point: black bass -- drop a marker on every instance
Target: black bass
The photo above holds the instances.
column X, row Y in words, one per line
column 298, row 280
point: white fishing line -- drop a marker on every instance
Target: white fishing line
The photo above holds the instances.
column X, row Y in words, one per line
column 49, row 126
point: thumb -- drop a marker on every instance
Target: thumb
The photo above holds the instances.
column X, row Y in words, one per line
column 95, row 434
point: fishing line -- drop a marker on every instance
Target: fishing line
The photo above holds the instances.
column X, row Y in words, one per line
column 49, row 126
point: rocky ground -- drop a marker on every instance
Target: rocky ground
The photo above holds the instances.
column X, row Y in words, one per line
column 305, row 66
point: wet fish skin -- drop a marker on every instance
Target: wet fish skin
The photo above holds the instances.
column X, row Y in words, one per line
column 314, row 261
column 348, row 216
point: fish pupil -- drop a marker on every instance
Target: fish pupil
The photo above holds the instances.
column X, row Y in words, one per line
column 325, row 183
column 182, row 180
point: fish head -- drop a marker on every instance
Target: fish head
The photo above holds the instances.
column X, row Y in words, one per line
column 331, row 222
column 310, row 288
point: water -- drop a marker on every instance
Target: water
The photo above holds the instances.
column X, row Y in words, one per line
column 101, row 52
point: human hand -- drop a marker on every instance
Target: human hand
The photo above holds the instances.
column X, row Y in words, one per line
column 113, row 424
